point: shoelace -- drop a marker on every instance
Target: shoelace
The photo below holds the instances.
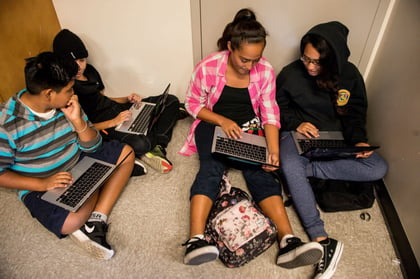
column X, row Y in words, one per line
column 321, row 264
column 188, row 242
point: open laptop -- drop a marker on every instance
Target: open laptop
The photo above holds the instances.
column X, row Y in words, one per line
column 330, row 145
column 88, row 175
column 249, row 149
column 144, row 115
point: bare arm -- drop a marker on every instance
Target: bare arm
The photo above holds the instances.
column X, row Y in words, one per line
column 73, row 113
column 272, row 138
column 12, row 180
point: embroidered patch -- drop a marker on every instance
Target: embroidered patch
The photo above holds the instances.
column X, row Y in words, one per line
column 343, row 97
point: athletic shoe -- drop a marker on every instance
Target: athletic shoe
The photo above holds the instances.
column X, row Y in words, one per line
column 328, row 264
column 157, row 160
column 199, row 251
column 182, row 112
column 138, row 169
column 296, row 253
column 91, row 237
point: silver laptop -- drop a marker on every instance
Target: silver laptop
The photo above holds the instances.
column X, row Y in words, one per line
column 249, row 149
column 328, row 146
column 88, row 175
column 144, row 115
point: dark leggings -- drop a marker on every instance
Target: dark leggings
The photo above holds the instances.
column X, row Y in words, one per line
column 260, row 183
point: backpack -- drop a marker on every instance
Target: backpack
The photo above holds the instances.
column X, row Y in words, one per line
column 339, row 195
column 237, row 226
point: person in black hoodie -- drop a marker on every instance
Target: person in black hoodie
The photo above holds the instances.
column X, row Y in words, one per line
column 323, row 91
column 108, row 112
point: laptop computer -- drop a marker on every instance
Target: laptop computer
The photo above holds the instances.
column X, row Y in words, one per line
column 88, row 175
column 250, row 148
column 144, row 115
column 329, row 145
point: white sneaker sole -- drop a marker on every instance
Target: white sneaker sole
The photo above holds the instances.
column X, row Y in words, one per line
column 308, row 254
column 329, row 272
column 201, row 255
column 97, row 251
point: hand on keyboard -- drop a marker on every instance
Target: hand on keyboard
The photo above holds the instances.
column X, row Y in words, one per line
column 58, row 180
column 231, row 129
column 308, row 129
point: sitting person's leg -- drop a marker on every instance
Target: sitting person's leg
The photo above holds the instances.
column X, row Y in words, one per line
column 91, row 235
column 361, row 169
column 204, row 191
column 267, row 193
column 161, row 134
column 295, row 172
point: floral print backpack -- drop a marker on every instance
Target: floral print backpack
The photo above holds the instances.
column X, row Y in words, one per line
column 237, row 226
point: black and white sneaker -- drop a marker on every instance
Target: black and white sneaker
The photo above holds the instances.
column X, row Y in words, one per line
column 332, row 252
column 296, row 253
column 92, row 237
column 139, row 168
column 199, row 251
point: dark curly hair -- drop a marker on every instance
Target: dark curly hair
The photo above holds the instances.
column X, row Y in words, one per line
column 243, row 28
column 46, row 71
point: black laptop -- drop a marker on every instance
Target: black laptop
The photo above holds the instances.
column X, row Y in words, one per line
column 330, row 145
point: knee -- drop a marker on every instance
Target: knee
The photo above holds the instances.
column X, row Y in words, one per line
column 380, row 169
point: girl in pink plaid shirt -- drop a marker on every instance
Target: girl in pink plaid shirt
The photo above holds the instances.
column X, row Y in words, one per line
column 227, row 89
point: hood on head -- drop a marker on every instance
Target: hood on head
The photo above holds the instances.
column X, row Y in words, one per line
column 335, row 33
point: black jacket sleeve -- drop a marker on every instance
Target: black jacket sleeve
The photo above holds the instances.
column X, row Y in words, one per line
column 354, row 117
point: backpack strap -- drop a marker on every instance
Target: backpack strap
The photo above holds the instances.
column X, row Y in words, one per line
column 225, row 185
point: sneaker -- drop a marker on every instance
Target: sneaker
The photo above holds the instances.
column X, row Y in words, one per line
column 157, row 160
column 91, row 237
column 199, row 251
column 139, row 169
column 328, row 264
column 182, row 112
column 296, row 253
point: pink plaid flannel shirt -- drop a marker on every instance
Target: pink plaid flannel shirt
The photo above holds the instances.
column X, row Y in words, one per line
column 208, row 81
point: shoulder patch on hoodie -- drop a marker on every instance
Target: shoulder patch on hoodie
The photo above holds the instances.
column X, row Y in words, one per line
column 343, row 97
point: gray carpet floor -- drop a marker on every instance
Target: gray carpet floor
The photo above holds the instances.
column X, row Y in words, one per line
column 150, row 222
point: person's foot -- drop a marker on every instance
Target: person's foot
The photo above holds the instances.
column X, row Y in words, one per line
column 138, row 169
column 182, row 112
column 157, row 160
column 296, row 253
column 199, row 251
column 328, row 264
column 92, row 237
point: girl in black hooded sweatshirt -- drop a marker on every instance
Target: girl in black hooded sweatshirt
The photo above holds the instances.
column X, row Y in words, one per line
column 323, row 91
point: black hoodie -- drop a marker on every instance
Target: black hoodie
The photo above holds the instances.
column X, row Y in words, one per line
column 301, row 100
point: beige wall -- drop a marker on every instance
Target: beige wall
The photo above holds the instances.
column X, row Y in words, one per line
column 394, row 113
column 286, row 22
column 137, row 46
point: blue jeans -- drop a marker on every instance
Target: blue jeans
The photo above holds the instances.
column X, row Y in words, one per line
column 297, row 168
column 260, row 183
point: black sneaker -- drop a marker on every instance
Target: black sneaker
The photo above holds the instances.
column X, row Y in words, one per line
column 328, row 264
column 296, row 253
column 182, row 112
column 199, row 251
column 138, row 169
column 91, row 236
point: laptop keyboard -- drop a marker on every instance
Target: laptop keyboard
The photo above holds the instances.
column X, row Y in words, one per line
column 77, row 191
column 306, row 144
column 240, row 149
column 142, row 121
